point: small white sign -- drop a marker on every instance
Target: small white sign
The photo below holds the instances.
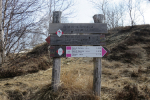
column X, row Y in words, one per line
column 60, row 51
column 59, row 32
column 85, row 51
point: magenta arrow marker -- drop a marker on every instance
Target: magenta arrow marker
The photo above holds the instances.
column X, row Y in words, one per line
column 103, row 51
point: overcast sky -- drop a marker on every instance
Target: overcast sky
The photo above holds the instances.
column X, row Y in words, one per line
column 85, row 12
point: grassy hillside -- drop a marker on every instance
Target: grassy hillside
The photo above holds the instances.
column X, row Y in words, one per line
column 125, row 71
column 33, row 61
column 130, row 44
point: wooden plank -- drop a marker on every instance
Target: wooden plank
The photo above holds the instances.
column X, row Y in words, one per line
column 72, row 28
column 77, row 51
column 77, row 40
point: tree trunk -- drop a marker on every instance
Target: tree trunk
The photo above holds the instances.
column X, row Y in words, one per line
column 1, row 37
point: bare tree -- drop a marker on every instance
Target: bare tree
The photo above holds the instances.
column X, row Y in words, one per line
column 18, row 22
column 1, row 35
column 113, row 12
column 117, row 14
column 101, row 5
column 134, row 10
column 114, row 16
column 56, row 5
column 130, row 8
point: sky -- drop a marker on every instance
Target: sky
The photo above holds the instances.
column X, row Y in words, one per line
column 85, row 12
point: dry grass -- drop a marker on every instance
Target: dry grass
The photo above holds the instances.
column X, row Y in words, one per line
column 75, row 85
column 77, row 80
column 24, row 65
column 125, row 72
column 39, row 50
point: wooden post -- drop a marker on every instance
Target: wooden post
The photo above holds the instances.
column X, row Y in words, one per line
column 56, row 61
column 97, row 63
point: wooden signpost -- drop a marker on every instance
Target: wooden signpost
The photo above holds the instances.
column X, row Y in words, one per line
column 64, row 43
column 77, row 51
column 71, row 28
column 76, row 40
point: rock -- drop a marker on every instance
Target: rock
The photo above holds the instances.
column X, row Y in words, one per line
column 15, row 78
column 84, row 60
column 41, row 72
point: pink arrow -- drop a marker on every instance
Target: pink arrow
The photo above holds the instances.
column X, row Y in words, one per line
column 103, row 51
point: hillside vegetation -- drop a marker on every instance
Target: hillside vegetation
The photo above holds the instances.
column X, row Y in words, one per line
column 125, row 71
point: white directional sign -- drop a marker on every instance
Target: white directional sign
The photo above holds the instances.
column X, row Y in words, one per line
column 60, row 51
column 59, row 32
column 85, row 51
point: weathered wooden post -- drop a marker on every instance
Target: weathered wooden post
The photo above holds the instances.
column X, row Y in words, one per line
column 97, row 62
column 56, row 61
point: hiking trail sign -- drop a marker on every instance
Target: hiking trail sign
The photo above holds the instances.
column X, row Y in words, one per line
column 97, row 39
column 59, row 33
column 77, row 51
column 66, row 42
column 73, row 28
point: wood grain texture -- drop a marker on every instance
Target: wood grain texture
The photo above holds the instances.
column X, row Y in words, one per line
column 56, row 74
column 97, row 63
column 72, row 28
column 77, row 40
column 97, row 75
column 56, row 61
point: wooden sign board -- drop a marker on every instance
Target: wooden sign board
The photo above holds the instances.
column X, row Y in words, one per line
column 56, row 52
column 77, row 40
column 71, row 28
column 77, row 51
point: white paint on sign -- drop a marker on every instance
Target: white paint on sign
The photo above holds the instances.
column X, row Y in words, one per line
column 85, row 51
column 60, row 51
column 59, row 32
